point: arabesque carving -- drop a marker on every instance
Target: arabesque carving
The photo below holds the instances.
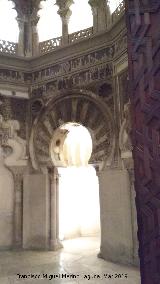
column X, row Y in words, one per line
column 9, row 138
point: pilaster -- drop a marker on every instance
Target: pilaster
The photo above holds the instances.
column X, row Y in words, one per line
column 18, row 172
column 54, row 238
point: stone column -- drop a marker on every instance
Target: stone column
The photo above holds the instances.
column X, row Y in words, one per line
column 18, row 172
column 31, row 39
column 65, row 13
column 21, row 47
column 28, row 42
column 54, row 240
column 100, row 13
column 35, row 36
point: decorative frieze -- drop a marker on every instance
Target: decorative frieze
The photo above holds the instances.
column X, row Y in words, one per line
column 80, row 79
column 88, row 60
column 91, row 61
column 12, row 76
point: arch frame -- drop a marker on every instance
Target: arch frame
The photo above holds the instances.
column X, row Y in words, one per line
column 49, row 105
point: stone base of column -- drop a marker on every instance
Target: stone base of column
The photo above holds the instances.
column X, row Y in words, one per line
column 55, row 245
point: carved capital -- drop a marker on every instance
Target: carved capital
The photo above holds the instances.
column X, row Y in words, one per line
column 65, row 14
column 18, row 178
column 18, row 172
column 64, row 9
column 26, row 8
column 63, row 4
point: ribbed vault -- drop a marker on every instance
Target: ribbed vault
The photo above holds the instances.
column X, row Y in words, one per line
column 78, row 106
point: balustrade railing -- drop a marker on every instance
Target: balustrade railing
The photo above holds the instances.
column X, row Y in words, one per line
column 80, row 35
column 50, row 45
column 8, row 47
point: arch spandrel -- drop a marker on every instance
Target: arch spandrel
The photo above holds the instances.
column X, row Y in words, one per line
column 79, row 106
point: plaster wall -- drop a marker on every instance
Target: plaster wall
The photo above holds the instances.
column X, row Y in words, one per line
column 116, row 218
column 36, row 211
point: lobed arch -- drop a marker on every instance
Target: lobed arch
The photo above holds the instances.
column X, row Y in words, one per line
column 79, row 106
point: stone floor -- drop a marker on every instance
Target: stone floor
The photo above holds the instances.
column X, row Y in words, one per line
column 77, row 262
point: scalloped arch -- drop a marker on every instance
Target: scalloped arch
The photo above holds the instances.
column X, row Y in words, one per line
column 80, row 106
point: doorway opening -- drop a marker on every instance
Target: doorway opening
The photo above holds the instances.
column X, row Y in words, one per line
column 78, row 203
column 79, row 209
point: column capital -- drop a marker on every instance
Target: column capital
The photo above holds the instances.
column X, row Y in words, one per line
column 18, row 172
column 28, row 7
column 64, row 3
column 65, row 14
column 64, row 9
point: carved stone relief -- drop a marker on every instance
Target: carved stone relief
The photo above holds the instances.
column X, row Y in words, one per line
column 10, row 139
column 14, row 109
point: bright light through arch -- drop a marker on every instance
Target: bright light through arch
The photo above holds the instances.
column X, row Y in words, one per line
column 71, row 145
column 78, row 183
column 77, row 148
column 79, row 210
